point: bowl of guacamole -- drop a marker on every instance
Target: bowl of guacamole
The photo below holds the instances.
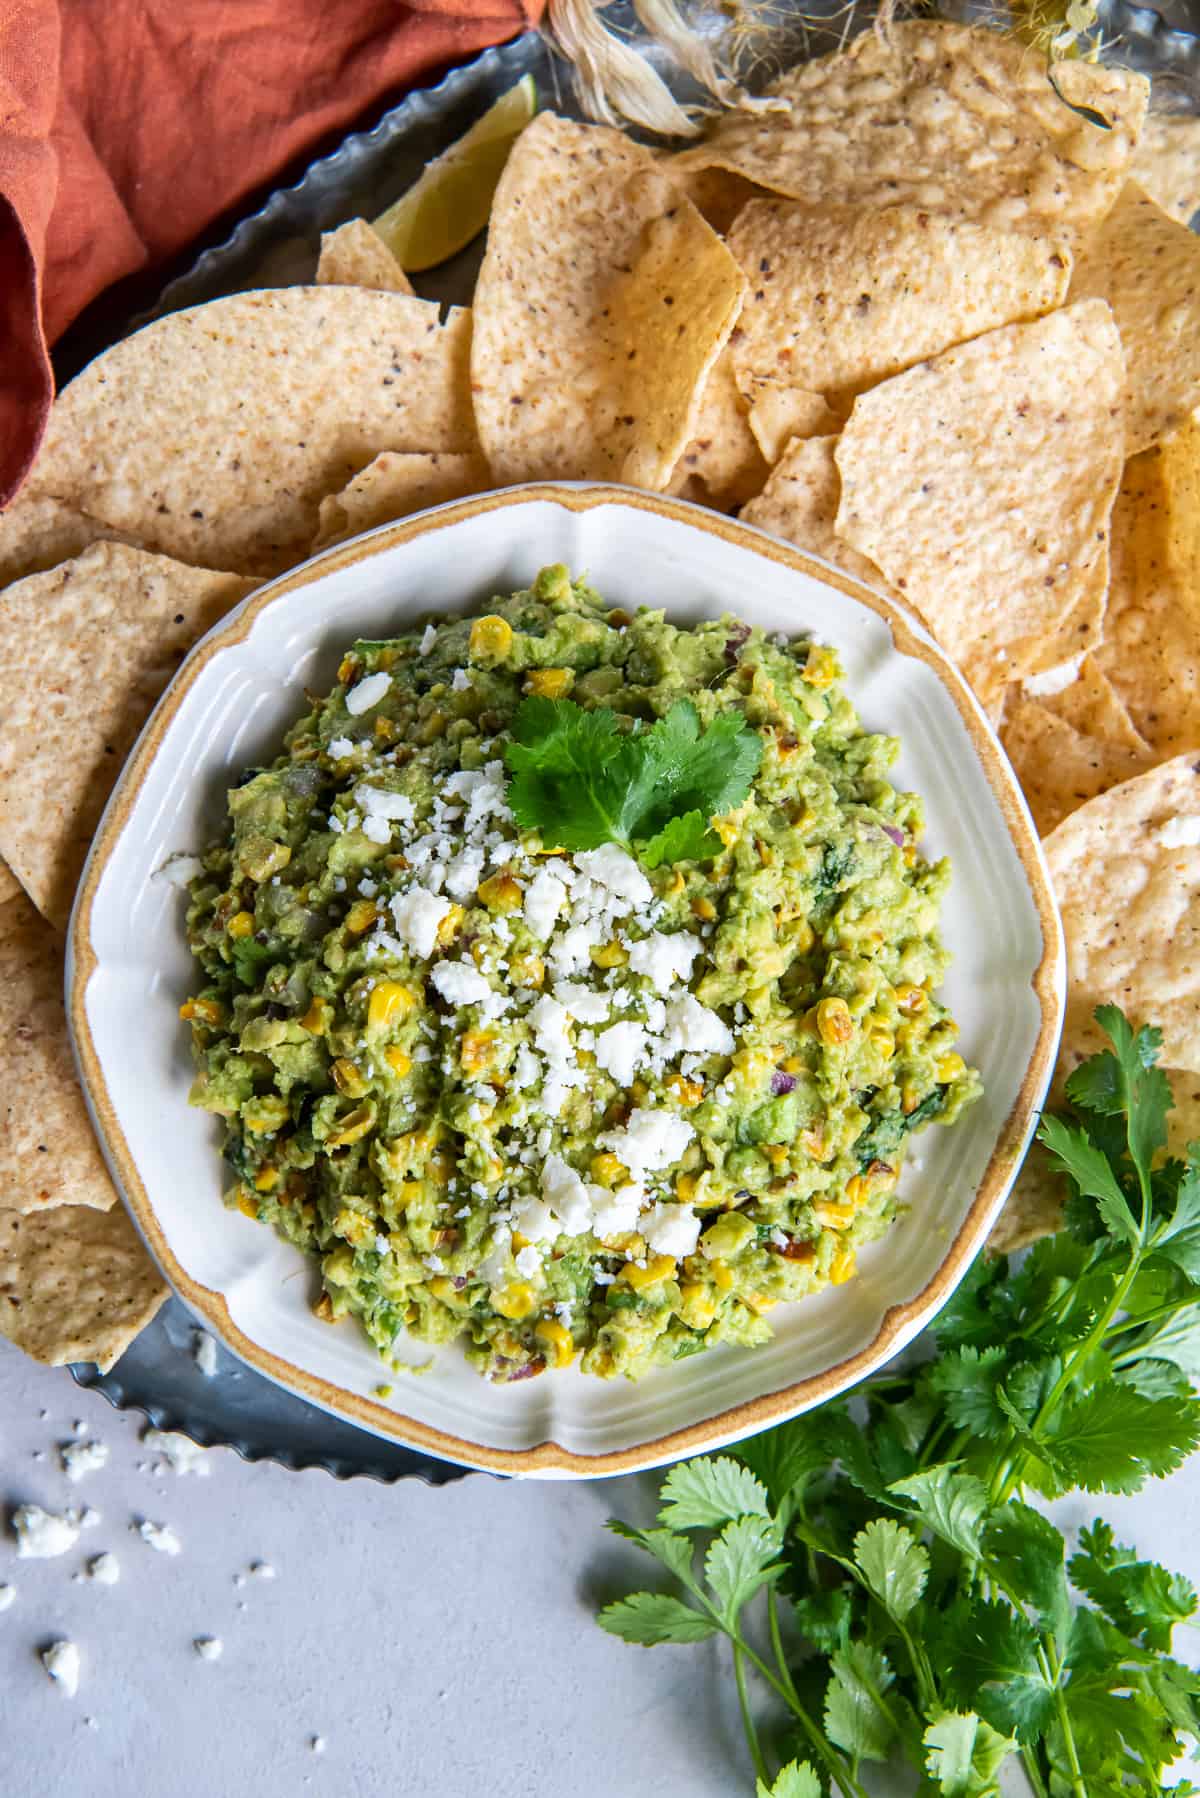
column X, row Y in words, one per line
column 567, row 985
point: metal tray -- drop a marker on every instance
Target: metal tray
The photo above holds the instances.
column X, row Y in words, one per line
column 278, row 247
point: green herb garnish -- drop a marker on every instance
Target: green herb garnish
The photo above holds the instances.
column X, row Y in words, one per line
column 581, row 781
column 916, row 1604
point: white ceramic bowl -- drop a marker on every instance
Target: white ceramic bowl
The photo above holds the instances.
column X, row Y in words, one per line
column 228, row 707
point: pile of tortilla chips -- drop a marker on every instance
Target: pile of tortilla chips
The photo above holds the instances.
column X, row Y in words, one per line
column 935, row 318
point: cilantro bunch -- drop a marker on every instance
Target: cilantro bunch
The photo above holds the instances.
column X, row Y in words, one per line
column 581, row 781
column 917, row 1606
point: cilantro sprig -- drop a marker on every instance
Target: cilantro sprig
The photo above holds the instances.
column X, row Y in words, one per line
column 881, row 1570
column 581, row 780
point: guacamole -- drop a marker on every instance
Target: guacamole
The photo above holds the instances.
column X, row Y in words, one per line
column 609, row 1102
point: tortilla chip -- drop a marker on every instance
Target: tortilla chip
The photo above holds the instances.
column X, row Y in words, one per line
column 1126, row 874
column 1166, row 163
column 799, row 503
column 215, row 433
column 75, row 1285
column 395, row 485
column 1068, row 746
column 356, row 256
column 1147, row 266
column 85, row 651
column 1151, row 652
column 10, row 886
column 839, row 299
column 48, row 1155
column 40, row 532
column 779, row 412
column 1033, row 1208
column 602, row 304
column 1183, row 1123
column 963, row 122
column 981, row 484
column 722, row 466
column 717, row 194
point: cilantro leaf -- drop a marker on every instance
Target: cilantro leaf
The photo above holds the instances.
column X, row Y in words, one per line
column 742, row 1560
column 826, row 1617
column 1176, row 1339
column 786, row 1456
column 854, row 1717
column 582, row 781
column 893, row 1563
column 650, row 1618
column 953, row 1504
column 796, row 1780
column 1140, row 1597
column 707, row 1493
column 1111, row 1439
column 1026, row 1551
column 1092, row 1172
column 987, row 1660
column 966, row 1379
column 675, row 1552
column 965, row 1754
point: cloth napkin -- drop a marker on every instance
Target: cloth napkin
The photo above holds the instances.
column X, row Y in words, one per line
column 127, row 126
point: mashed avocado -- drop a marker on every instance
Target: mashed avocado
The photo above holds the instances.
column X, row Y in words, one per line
column 553, row 1103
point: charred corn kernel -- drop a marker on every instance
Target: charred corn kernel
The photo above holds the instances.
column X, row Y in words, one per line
column 408, row 1151
column 348, row 1078
column 527, row 970
column 361, row 916
column 241, row 924
column 628, row 1243
column 856, row 1190
column 266, row 1178
column 657, row 1269
column 323, row 1309
column 443, row 1289
column 793, row 1064
column 704, row 909
column 727, row 830
column 688, row 1092
column 398, row 1061
column 676, row 884
column 515, row 1301
column 911, row 999
column 685, row 1188
column 450, row 925
column 813, row 1142
column 610, row 955
column 347, row 668
column 765, row 853
column 821, row 668
column 390, row 1001
column 478, row 1048
column 352, row 1128
column 433, row 727
column 247, row 1204
column 776, row 1153
column 760, row 1302
column 842, row 1267
column 550, row 683
column 353, row 1227
column 909, row 853
column 266, row 1114
column 834, row 1023
column 261, row 858
column 831, row 1216
column 385, row 730
column 882, row 1041
column 800, row 935
column 202, row 1011
column 949, row 1067
column 557, row 1338
column 500, row 893
column 910, row 1098
column 607, row 1170
column 697, row 1305
column 491, row 636
column 722, row 1275
column 318, row 1017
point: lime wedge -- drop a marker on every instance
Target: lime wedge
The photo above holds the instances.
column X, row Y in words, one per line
column 450, row 203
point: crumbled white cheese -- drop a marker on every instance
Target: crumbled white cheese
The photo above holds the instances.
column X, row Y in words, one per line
column 462, row 681
column 459, row 983
column 617, row 872
column 649, row 1141
column 7, row 1595
column 209, row 1648
column 339, row 747
column 671, row 1230
column 1053, row 680
column 571, row 951
column 367, row 693
column 417, row 914
column 81, row 1458
column 204, row 1352
column 61, row 1661
column 665, row 960
column 692, row 1027
column 180, row 1452
column 545, row 897
column 160, row 1536
column 377, row 802
column 105, row 1569
column 428, row 640
column 376, row 829
column 617, row 1212
column 584, row 1005
column 41, row 1534
column 179, row 870
column 527, row 1262
column 464, row 873
column 621, row 1050
column 1180, row 833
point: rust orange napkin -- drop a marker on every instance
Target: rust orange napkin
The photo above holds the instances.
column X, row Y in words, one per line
column 127, row 127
